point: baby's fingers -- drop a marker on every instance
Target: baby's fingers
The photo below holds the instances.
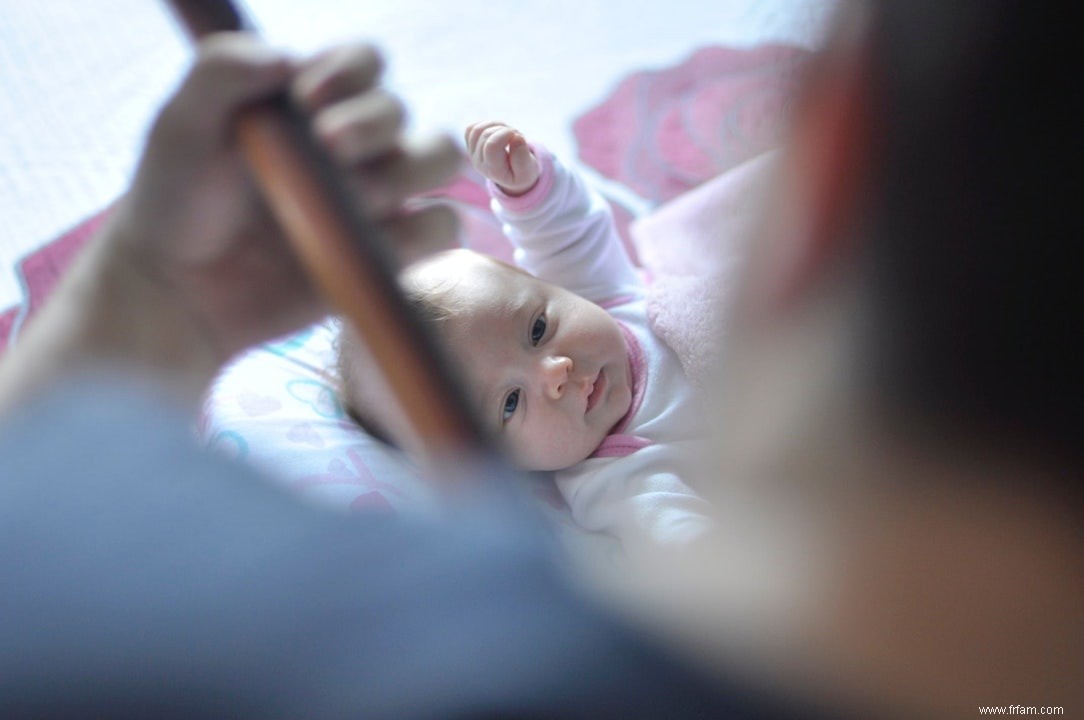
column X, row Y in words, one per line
column 520, row 158
column 473, row 133
column 494, row 147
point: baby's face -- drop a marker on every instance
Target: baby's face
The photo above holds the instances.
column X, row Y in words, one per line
column 548, row 369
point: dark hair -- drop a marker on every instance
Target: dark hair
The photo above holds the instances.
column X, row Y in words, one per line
column 974, row 209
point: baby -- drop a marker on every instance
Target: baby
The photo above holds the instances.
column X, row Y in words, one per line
column 557, row 352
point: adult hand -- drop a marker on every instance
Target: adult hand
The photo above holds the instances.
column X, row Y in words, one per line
column 194, row 219
column 191, row 268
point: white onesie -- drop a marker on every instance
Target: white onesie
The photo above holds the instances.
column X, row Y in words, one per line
column 632, row 487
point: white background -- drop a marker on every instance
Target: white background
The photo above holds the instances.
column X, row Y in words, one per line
column 81, row 80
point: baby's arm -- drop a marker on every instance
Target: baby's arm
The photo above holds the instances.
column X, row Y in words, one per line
column 563, row 232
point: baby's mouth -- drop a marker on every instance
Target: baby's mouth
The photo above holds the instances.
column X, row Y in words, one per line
column 598, row 387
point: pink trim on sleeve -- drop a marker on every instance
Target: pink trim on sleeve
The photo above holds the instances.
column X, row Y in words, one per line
column 618, row 445
column 537, row 194
column 637, row 377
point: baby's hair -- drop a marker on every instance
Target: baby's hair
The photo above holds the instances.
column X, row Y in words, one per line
column 347, row 346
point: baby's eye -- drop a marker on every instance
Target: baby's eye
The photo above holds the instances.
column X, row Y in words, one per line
column 538, row 329
column 510, row 404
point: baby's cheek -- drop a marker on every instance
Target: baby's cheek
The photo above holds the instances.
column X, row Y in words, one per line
column 553, row 448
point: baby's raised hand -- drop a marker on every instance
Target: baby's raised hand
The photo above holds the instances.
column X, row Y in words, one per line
column 501, row 154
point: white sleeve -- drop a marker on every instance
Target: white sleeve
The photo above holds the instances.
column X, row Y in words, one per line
column 564, row 233
column 636, row 500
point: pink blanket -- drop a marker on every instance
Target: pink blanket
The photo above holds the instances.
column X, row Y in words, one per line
column 691, row 246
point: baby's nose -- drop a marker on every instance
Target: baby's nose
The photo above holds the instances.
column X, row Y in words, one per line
column 555, row 372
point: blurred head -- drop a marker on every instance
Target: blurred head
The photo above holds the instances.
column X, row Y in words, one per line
column 900, row 409
column 548, row 370
column 931, row 176
column 973, row 293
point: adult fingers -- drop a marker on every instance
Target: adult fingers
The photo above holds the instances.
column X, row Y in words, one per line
column 335, row 75
column 363, row 127
column 230, row 70
column 418, row 166
column 421, row 231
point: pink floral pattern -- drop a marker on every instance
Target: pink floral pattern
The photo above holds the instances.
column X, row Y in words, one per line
column 356, row 473
column 664, row 132
column 41, row 270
